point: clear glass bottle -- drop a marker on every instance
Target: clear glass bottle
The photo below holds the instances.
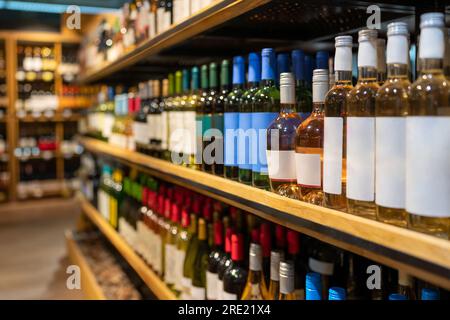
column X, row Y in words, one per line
column 281, row 139
column 245, row 141
column 255, row 288
column 309, row 144
column 287, row 274
column 335, row 122
column 381, row 61
column 428, row 135
column 274, row 283
column 360, row 105
column 391, row 107
column 266, row 105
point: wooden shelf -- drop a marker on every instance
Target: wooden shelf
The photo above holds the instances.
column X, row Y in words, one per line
column 156, row 285
column 421, row 255
column 58, row 117
column 210, row 17
column 89, row 284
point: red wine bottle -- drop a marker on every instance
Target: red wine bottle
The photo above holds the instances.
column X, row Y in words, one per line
column 235, row 276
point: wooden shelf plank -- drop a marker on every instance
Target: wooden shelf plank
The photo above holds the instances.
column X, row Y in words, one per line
column 424, row 256
column 210, row 17
column 156, row 285
column 89, row 284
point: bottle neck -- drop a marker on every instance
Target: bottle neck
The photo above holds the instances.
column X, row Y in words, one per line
column 255, row 276
column 253, row 84
column 238, row 86
column 396, row 70
column 286, row 108
column 318, row 107
column 343, row 77
column 431, row 66
column 301, row 84
column 267, row 83
column 367, row 74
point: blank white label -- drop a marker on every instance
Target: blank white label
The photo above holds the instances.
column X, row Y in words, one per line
column 390, row 162
column 179, row 262
column 361, row 158
column 325, row 268
column 211, row 285
column 281, row 164
column 164, row 129
column 140, row 132
column 169, row 264
column 197, row 293
column 308, row 169
column 158, row 254
column 428, row 166
column 108, row 122
column 332, row 154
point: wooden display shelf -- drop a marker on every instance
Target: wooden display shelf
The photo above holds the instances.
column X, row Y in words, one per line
column 210, row 17
column 89, row 284
column 58, row 117
column 418, row 254
column 156, row 285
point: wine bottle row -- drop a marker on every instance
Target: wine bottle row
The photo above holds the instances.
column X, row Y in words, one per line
column 204, row 249
column 365, row 149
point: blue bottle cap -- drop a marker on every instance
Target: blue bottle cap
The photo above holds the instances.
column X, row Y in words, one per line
column 185, row 80
column 268, row 64
column 430, row 294
column 283, row 63
column 238, row 70
column 337, row 293
column 397, row 296
column 313, row 288
column 254, row 67
column 195, row 78
column 309, row 67
column 298, row 64
column 322, row 60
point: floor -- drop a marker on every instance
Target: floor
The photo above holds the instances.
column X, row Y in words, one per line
column 33, row 257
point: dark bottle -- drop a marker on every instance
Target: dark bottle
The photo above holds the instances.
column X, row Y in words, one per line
column 283, row 66
column 231, row 120
column 302, row 92
column 218, row 117
column 224, row 263
column 215, row 256
column 245, row 140
column 205, row 116
column 235, row 276
column 266, row 105
column 200, row 265
column 322, row 258
column 265, row 239
column 293, row 254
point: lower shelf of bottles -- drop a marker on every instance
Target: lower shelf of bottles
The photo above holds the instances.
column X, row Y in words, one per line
column 421, row 255
column 151, row 279
column 89, row 285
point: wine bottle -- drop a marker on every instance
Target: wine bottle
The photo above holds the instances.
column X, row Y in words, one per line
column 381, row 61
column 170, row 275
column 391, row 106
column 293, row 254
column 235, row 276
column 231, row 120
column 188, row 265
column 335, row 122
column 200, row 265
column 165, row 110
column 360, row 104
column 245, row 138
column 406, row 286
column 216, row 254
column 397, row 296
column 265, row 239
column 224, row 263
column 336, row 293
column 313, row 286
column 287, row 273
column 427, row 183
column 281, row 139
column 321, row 260
column 218, row 117
column 204, row 116
column 190, row 118
column 302, row 93
column 274, row 283
column 309, row 144
column 430, row 294
column 265, row 109
column 255, row 288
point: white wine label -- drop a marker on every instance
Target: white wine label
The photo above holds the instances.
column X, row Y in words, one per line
column 229, row 296
column 308, row 169
column 197, row 293
column 179, row 262
column 151, row 126
column 158, row 255
column 361, row 158
column 118, row 140
column 190, row 132
column 325, row 268
column 281, row 164
column 390, row 162
column 332, row 154
column 428, row 166
column 140, row 237
column 212, row 280
column 106, row 126
column 140, row 132
column 219, row 289
column 169, row 265
column 187, row 284
column 164, row 129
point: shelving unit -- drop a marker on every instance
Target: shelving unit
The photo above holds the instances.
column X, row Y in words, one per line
column 418, row 254
column 156, row 285
column 89, row 284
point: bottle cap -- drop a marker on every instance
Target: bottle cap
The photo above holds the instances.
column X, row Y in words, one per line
column 313, row 287
column 343, row 41
column 224, row 73
column 430, row 294
column 287, row 273
column 287, row 88
column 275, row 258
column 336, row 293
column 265, row 239
column 320, row 85
column 238, row 70
column 298, row 64
column 367, row 35
column 320, row 75
column 397, row 28
column 255, row 257
column 254, row 67
column 343, row 54
column 397, row 296
column 283, row 64
column 268, row 64
column 267, row 52
column 432, row 20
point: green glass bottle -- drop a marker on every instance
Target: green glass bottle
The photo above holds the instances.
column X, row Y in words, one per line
column 198, row 289
column 190, row 119
column 203, row 117
column 266, row 104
